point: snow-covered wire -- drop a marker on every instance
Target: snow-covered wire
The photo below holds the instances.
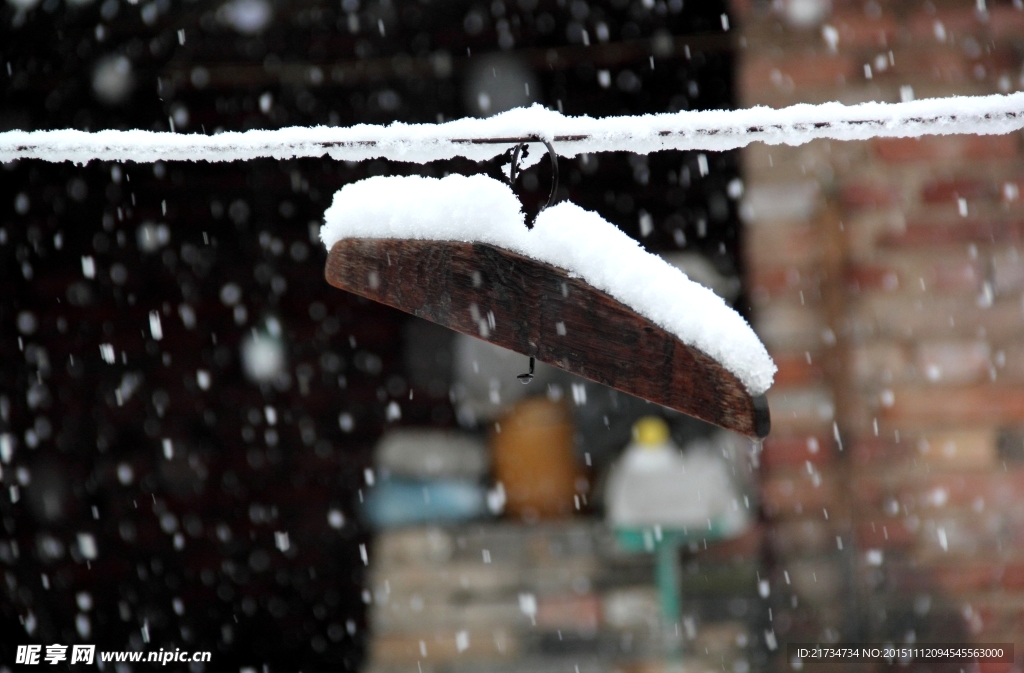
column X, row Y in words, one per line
column 482, row 139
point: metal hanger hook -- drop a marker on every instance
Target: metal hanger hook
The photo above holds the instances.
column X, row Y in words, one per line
column 526, row 378
column 522, row 151
column 553, row 156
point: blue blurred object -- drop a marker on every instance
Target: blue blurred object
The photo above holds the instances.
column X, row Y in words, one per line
column 403, row 502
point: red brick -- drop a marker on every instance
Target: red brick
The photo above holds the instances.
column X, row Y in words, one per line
column 949, row 274
column 786, row 494
column 808, row 410
column 398, row 649
column 794, row 370
column 1011, row 190
column 955, row 232
column 948, row 191
column 879, row 361
column 803, row 536
column 962, row 577
column 884, row 534
column 990, row 190
column 960, row 361
column 963, row 448
column 775, row 280
column 994, row 667
column 945, row 274
column 1012, row 576
column 769, row 281
column 856, row 29
column 1009, row 362
column 569, row 611
column 944, row 406
column 877, row 491
column 775, row 201
column 938, row 65
column 997, row 607
column 787, row 325
column 960, row 449
column 741, row 8
column 977, row 576
column 854, row 195
column 946, row 65
column 782, row 244
column 1005, row 22
column 801, row 71
column 818, row 581
column 869, row 490
column 932, row 315
column 949, row 148
column 860, row 277
column 805, row 623
column 966, row 450
column 797, row 451
column 1007, row 272
column 955, row 21
column 955, row 274
column 872, row 451
column 998, row 489
column 746, row 546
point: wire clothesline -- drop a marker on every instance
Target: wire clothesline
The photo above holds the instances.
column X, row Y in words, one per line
column 483, row 139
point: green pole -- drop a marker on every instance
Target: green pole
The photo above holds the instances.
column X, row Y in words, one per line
column 667, row 577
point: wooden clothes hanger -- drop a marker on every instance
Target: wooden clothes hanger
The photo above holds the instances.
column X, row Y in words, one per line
column 531, row 307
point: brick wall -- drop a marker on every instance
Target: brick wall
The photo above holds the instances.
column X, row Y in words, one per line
column 887, row 283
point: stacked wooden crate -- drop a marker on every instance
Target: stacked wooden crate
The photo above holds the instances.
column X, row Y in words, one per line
column 508, row 597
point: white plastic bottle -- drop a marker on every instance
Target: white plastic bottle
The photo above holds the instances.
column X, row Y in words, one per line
column 654, row 484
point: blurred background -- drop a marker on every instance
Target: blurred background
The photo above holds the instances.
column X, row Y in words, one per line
column 204, row 446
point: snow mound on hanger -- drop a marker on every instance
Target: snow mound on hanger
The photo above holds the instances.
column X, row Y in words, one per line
column 480, row 209
column 453, row 208
column 582, row 242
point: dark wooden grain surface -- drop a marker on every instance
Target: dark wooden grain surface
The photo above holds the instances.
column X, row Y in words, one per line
column 536, row 309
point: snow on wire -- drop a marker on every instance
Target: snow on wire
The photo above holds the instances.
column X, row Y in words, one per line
column 482, row 139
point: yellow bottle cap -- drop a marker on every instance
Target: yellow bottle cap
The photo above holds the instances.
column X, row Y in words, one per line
column 650, row 431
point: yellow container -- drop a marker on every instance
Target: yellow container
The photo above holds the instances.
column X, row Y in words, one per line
column 535, row 461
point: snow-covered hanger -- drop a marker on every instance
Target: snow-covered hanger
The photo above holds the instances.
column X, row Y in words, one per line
column 574, row 291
